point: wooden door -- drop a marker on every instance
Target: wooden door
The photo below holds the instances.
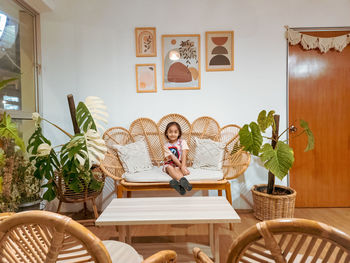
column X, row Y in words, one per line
column 319, row 92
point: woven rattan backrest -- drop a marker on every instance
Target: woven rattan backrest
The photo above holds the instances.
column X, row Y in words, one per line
column 203, row 128
column 147, row 130
column 41, row 236
column 184, row 124
column 291, row 240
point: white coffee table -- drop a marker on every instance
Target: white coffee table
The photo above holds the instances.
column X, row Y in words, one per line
column 212, row 210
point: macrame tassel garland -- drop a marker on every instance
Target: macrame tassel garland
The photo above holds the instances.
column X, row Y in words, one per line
column 324, row 44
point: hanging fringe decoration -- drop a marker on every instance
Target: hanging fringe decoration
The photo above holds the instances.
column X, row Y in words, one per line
column 322, row 43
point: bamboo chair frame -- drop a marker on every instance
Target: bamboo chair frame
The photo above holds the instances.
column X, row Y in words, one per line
column 42, row 236
column 287, row 240
column 153, row 133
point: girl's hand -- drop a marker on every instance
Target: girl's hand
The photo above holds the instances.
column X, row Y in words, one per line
column 184, row 170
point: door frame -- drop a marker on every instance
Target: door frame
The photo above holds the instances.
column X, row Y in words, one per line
column 302, row 29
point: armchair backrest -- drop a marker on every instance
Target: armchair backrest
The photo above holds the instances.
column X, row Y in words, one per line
column 291, row 240
column 153, row 134
column 41, row 236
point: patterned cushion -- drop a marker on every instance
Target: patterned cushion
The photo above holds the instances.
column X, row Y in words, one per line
column 208, row 154
column 134, row 157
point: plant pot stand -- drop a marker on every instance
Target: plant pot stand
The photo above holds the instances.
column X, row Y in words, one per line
column 66, row 195
column 268, row 206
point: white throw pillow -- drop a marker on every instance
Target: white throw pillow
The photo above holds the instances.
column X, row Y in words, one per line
column 208, row 154
column 134, row 156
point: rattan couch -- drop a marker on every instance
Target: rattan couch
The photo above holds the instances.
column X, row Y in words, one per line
column 153, row 134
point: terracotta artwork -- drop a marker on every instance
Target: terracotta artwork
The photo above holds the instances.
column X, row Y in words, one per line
column 146, row 78
column 181, row 61
column 219, row 50
column 145, row 38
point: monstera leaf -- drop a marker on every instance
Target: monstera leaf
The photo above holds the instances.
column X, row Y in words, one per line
column 8, row 129
column 98, row 111
column 310, row 137
column 84, row 118
column 36, row 140
column 250, row 138
column 266, row 121
column 278, row 160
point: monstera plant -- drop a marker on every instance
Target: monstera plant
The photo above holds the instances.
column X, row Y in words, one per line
column 277, row 157
column 74, row 159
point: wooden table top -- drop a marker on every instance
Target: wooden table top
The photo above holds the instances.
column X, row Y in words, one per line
column 168, row 210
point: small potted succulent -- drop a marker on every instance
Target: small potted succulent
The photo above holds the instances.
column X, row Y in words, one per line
column 272, row 201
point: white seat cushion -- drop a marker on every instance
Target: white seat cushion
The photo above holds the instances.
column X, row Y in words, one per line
column 121, row 252
column 157, row 175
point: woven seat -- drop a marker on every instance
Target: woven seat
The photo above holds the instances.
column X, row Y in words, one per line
column 287, row 240
column 153, row 134
column 41, row 236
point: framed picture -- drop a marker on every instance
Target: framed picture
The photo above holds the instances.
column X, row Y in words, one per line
column 146, row 42
column 181, row 62
column 219, row 50
column 146, row 80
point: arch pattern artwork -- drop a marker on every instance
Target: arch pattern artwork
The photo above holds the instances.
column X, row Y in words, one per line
column 219, row 50
column 145, row 38
column 181, row 61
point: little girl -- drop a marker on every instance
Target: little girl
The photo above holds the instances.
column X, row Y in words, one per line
column 176, row 150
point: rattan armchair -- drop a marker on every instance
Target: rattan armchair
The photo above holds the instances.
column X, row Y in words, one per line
column 287, row 240
column 41, row 236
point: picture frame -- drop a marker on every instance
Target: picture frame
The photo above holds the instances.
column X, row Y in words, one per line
column 181, row 63
column 146, row 78
column 219, row 52
column 146, row 41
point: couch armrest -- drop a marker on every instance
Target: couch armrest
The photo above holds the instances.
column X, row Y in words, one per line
column 236, row 164
column 111, row 167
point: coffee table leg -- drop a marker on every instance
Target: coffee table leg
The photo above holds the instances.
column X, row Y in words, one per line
column 128, row 237
column 211, row 238
column 122, row 232
column 216, row 243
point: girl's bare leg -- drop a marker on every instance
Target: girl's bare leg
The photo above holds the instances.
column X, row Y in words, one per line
column 174, row 173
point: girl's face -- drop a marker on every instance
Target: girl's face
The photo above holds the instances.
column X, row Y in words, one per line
column 173, row 133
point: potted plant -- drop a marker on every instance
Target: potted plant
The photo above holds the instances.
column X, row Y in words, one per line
column 271, row 201
column 67, row 169
column 18, row 186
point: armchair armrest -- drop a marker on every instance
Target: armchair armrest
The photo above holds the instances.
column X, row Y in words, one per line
column 200, row 256
column 164, row 256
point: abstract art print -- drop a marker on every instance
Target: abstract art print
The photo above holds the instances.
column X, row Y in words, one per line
column 146, row 42
column 146, row 80
column 219, row 50
column 181, row 62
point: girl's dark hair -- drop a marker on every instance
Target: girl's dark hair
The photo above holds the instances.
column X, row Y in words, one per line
column 172, row 124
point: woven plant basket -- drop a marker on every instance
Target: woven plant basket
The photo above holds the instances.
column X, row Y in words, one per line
column 268, row 206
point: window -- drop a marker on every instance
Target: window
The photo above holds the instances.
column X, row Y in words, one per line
column 18, row 59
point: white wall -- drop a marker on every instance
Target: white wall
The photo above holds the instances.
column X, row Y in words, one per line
column 88, row 48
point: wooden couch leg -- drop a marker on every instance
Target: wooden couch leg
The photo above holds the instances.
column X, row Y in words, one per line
column 120, row 191
column 128, row 194
column 228, row 192
column 219, row 192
